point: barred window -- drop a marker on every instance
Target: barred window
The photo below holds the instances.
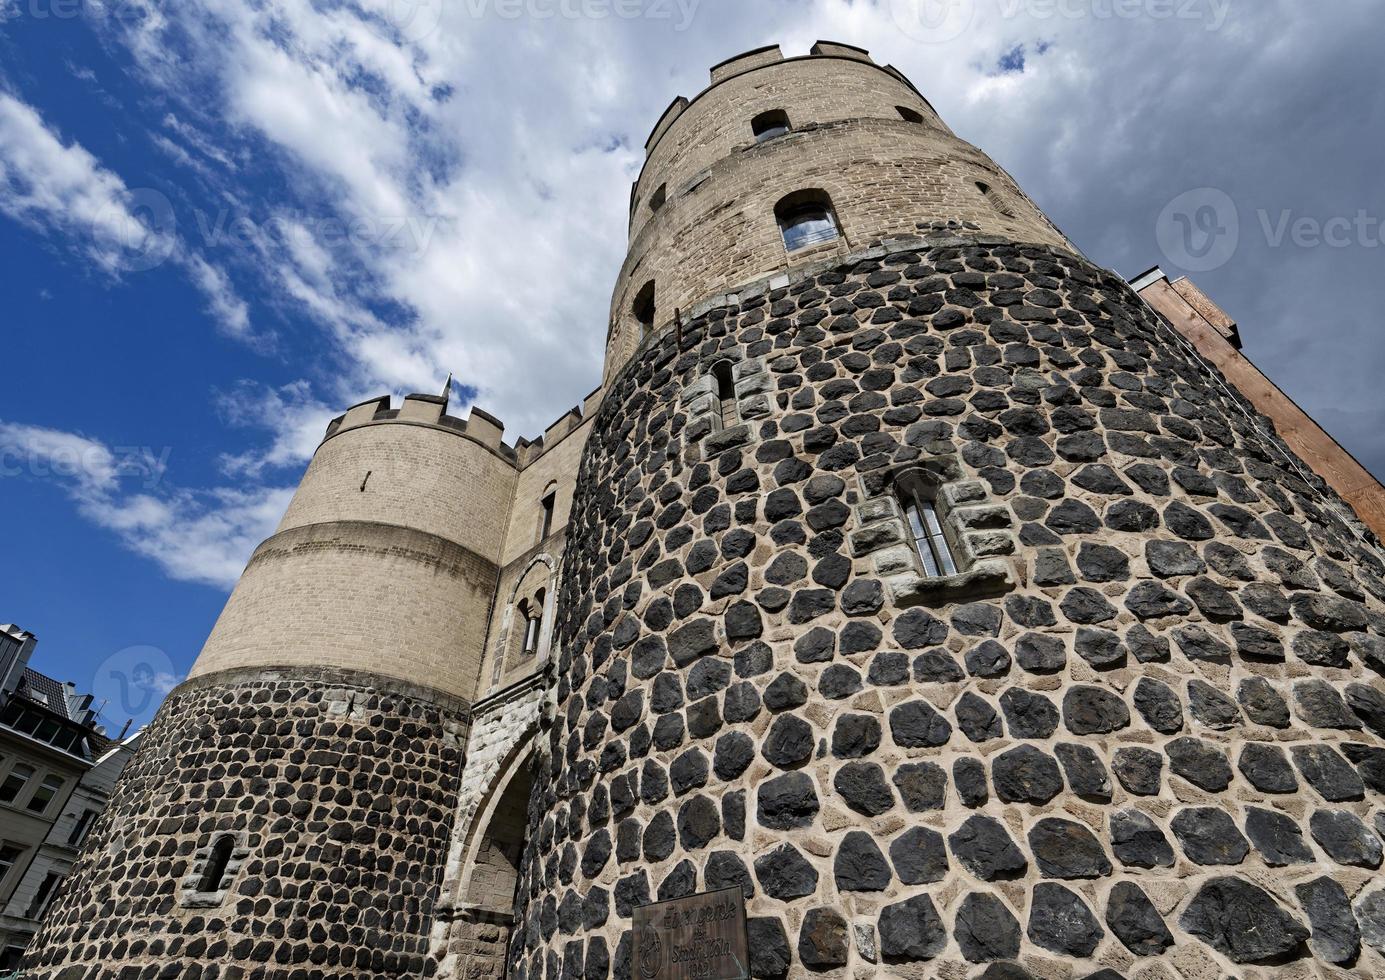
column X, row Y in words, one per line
column 929, row 540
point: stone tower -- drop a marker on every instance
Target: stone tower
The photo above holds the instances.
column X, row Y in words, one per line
column 908, row 573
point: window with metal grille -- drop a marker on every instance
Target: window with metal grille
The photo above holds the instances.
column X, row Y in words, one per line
column 929, row 540
column 768, row 125
column 728, row 414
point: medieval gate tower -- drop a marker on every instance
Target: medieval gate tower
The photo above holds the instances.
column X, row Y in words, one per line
column 907, row 572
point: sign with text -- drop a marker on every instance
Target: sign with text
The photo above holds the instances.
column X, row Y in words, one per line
column 701, row 937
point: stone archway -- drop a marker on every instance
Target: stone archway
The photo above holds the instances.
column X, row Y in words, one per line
column 477, row 911
column 486, row 916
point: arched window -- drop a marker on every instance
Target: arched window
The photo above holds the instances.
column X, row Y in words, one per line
column 768, row 125
column 643, row 308
column 909, row 115
column 660, row 196
column 806, row 218
column 533, row 621
column 214, row 873
column 727, row 413
column 925, row 526
column 546, row 507
column 995, row 199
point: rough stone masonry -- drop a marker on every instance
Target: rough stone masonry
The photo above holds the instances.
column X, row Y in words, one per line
column 1137, row 730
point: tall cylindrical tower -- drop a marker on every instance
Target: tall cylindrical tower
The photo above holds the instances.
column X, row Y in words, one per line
column 922, row 585
column 291, row 807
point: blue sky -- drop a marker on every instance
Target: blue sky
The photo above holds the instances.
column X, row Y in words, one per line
column 222, row 223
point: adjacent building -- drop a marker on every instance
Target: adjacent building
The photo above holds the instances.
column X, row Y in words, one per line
column 57, row 768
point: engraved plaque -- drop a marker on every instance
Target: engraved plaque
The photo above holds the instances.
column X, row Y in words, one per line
column 701, row 937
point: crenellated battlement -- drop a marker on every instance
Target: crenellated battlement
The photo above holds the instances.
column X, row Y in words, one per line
column 756, row 58
column 479, row 426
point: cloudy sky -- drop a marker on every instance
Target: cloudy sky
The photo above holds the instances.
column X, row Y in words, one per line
column 223, row 222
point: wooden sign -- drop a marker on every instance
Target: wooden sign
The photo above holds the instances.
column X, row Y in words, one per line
column 701, row 937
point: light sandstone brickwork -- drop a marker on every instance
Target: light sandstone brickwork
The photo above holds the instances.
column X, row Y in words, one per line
column 717, row 228
column 1138, row 734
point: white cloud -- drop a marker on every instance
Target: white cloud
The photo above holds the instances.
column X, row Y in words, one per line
column 53, row 186
column 197, row 536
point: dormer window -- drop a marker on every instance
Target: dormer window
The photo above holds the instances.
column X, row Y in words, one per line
column 806, row 218
column 768, row 125
column 909, row 115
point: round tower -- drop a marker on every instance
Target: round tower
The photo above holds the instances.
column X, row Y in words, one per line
column 924, row 586
column 292, row 803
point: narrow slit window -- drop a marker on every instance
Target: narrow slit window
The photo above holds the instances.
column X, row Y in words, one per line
column 214, row 874
column 995, row 199
column 909, row 115
column 546, row 516
column 768, row 125
column 728, row 413
column 929, row 540
column 660, row 196
column 643, row 309
column 806, row 219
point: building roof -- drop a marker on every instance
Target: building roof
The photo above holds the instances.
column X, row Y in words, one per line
column 44, row 690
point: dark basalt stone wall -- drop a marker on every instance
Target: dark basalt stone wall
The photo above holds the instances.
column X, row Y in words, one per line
column 1167, row 731
column 339, row 788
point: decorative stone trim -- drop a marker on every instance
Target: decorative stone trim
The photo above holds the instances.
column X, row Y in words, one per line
column 191, row 897
column 753, row 385
column 977, row 532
